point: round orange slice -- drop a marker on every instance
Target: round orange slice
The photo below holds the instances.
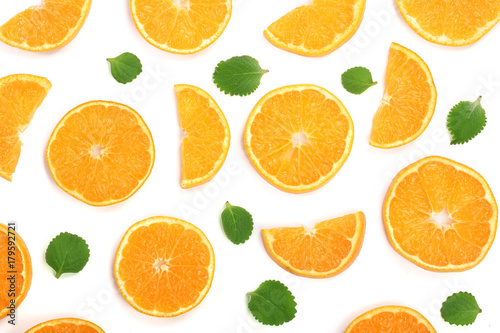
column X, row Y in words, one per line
column 440, row 215
column 318, row 28
column 326, row 250
column 164, row 267
column 298, row 137
column 15, row 271
column 45, row 27
column 452, row 23
column 101, row 153
column 391, row 319
column 66, row 325
column 206, row 135
column 181, row 26
column 20, row 97
column 408, row 103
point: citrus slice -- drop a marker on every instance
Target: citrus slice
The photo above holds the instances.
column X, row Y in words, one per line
column 298, row 137
column 66, row 325
column 181, row 26
column 46, row 27
column 317, row 29
column 101, row 153
column 206, row 135
column 164, row 266
column 20, row 96
column 14, row 257
column 326, row 250
column 452, row 23
column 391, row 319
column 409, row 100
column 440, row 215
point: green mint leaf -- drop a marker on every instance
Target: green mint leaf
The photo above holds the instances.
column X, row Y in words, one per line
column 237, row 223
column 125, row 68
column 357, row 79
column 238, row 76
column 460, row 309
column 465, row 121
column 272, row 303
column 67, row 253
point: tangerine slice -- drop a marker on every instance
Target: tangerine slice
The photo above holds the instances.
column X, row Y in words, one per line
column 164, row 266
column 440, row 215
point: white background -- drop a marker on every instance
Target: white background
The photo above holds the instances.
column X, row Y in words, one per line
column 79, row 73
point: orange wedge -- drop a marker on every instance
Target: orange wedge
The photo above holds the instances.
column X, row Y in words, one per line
column 14, row 257
column 318, row 28
column 409, row 100
column 66, row 325
column 326, row 250
column 206, row 135
column 440, row 215
column 101, row 153
column 298, row 137
column 164, row 267
column 45, row 27
column 452, row 23
column 20, row 96
column 397, row 319
column 181, row 26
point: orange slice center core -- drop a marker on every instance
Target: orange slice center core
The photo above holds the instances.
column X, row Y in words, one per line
column 299, row 138
column 161, row 264
column 97, row 151
column 182, row 4
column 443, row 218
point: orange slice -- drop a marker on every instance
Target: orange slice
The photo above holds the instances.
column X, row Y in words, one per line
column 391, row 319
column 206, row 135
column 19, row 261
column 181, row 26
column 317, row 29
column 298, row 137
column 164, row 267
column 46, row 27
column 440, row 215
column 66, row 325
column 452, row 23
column 326, row 250
column 409, row 100
column 101, row 153
column 20, row 96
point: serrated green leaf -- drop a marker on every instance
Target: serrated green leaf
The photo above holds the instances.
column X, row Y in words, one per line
column 272, row 303
column 67, row 253
column 357, row 79
column 125, row 68
column 237, row 223
column 238, row 75
column 460, row 309
column 465, row 121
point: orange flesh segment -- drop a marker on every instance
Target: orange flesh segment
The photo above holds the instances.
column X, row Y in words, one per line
column 20, row 97
column 452, row 23
column 408, row 103
column 299, row 138
column 436, row 185
column 181, row 26
column 325, row 251
column 316, row 29
column 165, row 268
column 206, row 135
column 123, row 145
column 47, row 26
